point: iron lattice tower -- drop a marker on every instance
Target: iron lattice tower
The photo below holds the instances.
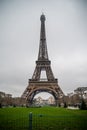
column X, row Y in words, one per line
column 37, row 85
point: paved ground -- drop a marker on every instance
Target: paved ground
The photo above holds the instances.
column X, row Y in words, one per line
column 73, row 108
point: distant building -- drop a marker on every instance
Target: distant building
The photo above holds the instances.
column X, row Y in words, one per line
column 3, row 95
column 51, row 100
column 42, row 102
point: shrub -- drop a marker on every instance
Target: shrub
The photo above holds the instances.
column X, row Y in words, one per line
column 83, row 105
column 0, row 105
column 65, row 105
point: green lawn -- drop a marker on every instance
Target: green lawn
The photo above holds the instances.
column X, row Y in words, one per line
column 44, row 118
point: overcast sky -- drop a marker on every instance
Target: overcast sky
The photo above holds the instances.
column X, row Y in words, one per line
column 66, row 34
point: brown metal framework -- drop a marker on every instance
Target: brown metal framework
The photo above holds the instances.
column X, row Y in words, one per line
column 36, row 85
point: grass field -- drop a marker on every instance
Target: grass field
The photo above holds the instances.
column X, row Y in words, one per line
column 44, row 118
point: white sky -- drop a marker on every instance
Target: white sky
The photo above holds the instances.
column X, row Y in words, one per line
column 66, row 32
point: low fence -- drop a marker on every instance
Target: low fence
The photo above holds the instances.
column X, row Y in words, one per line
column 44, row 122
column 48, row 122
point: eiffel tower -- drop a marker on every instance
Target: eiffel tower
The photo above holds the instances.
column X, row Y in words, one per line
column 36, row 84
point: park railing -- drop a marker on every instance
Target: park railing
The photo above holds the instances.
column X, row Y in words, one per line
column 48, row 122
column 34, row 121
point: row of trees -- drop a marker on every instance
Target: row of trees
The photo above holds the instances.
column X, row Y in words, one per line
column 72, row 99
column 82, row 106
